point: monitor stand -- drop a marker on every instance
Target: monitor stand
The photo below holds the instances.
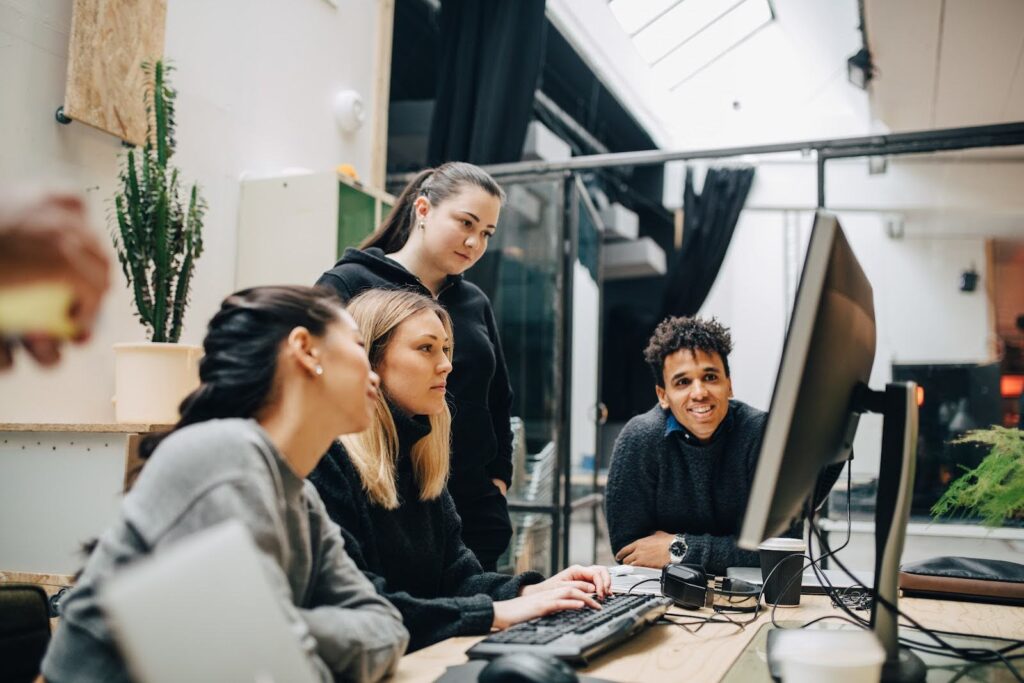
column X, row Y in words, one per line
column 898, row 407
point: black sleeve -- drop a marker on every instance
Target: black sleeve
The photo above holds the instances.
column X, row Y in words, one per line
column 467, row 609
column 500, row 406
column 431, row 620
column 463, row 573
column 337, row 283
column 629, row 494
column 717, row 553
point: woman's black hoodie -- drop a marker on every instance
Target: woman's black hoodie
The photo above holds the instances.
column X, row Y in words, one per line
column 478, row 387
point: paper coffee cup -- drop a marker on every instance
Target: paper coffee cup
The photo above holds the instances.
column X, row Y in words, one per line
column 782, row 563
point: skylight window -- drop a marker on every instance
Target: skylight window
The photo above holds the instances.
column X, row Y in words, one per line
column 681, row 38
column 634, row 15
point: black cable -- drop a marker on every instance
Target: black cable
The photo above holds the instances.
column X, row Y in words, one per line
column 942, row 647
column 698, row 621
column 813, row 564
column 639, row 583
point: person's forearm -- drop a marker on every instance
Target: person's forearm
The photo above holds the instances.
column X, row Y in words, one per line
column 362, row 644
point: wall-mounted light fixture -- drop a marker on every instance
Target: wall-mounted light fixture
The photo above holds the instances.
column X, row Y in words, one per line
column 860, row 68
column 969, row 280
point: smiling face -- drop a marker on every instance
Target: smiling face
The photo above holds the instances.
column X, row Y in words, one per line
column 696, row 390
column 456, row 231
column 415, row 366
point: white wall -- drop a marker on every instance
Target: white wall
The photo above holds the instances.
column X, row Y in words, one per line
column 921, row 315
column 749, row 297
column 255, row 81
column 585, row 365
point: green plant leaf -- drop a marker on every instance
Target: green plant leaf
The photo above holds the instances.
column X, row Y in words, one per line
column 995, row 488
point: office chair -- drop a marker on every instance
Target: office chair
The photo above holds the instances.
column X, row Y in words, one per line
column 24, row 631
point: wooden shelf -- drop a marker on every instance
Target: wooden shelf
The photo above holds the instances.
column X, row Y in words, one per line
column 113, row 428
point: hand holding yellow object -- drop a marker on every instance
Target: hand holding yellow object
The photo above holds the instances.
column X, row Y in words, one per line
column 53, row 274
column 41, row 308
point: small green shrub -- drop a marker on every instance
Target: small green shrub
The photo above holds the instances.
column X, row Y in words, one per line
column 994, row 490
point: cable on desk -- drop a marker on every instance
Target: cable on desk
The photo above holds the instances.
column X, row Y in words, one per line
column 980, row 655
column 640, row 583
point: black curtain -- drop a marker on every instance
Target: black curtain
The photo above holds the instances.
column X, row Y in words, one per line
column 708, row 223
column 491, row 54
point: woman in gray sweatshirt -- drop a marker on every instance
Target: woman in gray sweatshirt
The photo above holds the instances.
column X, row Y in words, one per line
column 284, row 373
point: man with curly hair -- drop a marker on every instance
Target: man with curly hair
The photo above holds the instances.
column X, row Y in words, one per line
column 681, row 473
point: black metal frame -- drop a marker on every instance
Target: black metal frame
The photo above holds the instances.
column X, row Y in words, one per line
column 918, row 142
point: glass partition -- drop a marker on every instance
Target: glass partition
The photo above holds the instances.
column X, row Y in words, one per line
column 947, row 268
column 522, row 273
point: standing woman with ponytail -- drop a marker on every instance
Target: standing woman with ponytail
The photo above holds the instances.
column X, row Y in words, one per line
column 285, row 372
column 438, row 229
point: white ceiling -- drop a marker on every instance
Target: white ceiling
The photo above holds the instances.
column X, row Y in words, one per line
column 785, row 82
column 946, row 63
column 940, row 63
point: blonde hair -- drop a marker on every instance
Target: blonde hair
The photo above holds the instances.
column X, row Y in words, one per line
column 374, row 451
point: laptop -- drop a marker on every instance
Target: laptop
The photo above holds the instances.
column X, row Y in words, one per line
column 635, row 580
column 203, row 610
column 840, row 580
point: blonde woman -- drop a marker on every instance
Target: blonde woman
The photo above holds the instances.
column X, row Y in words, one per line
column 385, row 487
column 439, row 228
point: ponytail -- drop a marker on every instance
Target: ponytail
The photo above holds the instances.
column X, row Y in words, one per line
column 240, row 352
column 436, row 184
column 393, row 233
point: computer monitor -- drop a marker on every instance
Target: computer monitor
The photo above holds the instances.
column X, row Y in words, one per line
column 820, row 391
column 829, row 351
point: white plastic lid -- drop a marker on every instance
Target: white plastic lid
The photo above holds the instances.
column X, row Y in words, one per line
column 838, row 649
column 790, row 544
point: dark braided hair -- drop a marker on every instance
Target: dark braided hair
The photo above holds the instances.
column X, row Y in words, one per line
column 694, row 334
column 242, row 341
column 436, row 184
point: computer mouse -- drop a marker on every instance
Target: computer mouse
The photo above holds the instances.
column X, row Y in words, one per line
column 523, row 667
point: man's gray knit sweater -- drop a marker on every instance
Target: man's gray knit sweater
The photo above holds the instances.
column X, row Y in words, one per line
column 200, row 476
column 671, row 482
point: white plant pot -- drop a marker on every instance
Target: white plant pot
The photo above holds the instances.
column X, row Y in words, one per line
column 151, row 379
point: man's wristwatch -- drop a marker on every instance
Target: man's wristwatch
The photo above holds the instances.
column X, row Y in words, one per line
column 677, row 549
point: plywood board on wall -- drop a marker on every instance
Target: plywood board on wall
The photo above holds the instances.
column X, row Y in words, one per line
column 110, row 40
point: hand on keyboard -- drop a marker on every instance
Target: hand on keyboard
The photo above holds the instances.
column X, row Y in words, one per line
column 539, row 603
column 594, row 579
column 583, row 623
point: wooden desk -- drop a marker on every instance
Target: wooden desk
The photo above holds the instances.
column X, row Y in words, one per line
column 664, row 653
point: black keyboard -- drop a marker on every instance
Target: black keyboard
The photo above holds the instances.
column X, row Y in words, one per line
column 577, row 635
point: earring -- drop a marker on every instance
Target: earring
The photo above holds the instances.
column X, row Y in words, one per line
column 422, row 225
column 319, row 370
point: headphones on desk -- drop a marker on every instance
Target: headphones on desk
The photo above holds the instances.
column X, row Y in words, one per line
column 687, row 585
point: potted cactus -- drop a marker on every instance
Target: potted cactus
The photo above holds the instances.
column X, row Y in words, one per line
column 158, row 238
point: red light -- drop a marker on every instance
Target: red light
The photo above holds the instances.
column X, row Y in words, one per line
column 1011, row 386
column 920, row 396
